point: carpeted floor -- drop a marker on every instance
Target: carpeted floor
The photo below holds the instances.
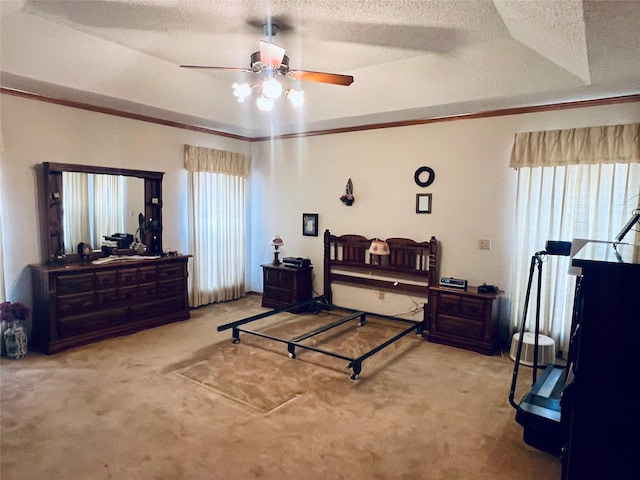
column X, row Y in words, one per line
column 182, row 402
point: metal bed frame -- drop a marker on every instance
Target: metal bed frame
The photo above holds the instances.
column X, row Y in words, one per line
column 347, row 261
column 321, row 303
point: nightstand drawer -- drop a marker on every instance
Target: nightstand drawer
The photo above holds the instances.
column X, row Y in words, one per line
column 472, row 308
column 469, row 329
column 277, row 278
column 449, row 304
column 280, row 295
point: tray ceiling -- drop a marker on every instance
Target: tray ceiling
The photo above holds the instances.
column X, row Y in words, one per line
column 411, row 60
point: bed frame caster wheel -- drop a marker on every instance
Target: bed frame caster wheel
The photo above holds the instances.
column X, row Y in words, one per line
column 292, row 350
column 292, row 355
column 357, row 368
column 235, row 340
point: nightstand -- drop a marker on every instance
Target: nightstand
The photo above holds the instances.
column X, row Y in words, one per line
column 464, row 318
column 285, row 285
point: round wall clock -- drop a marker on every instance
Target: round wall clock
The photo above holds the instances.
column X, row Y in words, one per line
column 424, row 176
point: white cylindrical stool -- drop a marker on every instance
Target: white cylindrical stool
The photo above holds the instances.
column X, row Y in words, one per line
column 546, row 349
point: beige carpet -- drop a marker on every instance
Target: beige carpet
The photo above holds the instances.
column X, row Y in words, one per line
column 183, row 402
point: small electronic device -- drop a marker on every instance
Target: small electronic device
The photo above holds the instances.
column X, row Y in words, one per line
column 484, row 288
column 451, row 282
column 123, row 240
column 296, row 262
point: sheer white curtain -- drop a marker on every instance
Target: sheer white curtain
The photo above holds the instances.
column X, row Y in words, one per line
column 579, row 183
column 108, row 207
column 75, row 205
column 93, row 207
column 216, row 190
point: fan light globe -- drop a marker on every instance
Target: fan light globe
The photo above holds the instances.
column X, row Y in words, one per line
column 271, row 88
column 241, row 91
column 296, row 97
column 264, row 104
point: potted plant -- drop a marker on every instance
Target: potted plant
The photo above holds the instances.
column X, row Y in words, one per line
column 15, row 337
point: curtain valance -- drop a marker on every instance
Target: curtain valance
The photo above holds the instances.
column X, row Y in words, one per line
column 577, row 146
column 201, row 159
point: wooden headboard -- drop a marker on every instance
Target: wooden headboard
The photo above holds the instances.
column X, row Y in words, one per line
column 409, row 268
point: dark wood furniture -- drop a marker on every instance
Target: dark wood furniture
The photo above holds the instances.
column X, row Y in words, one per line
column 599, row 405
column 53, row 193
column 412, row 265
column 464, row 318
column 75, row 304
column 285, row 285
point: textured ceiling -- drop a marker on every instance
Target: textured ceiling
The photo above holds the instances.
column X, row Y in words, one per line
column 410, row 59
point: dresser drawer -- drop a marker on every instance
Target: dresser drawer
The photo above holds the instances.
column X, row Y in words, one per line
column 127, row 294
column 75, row 304
column 148, row 274
column 146, row 290
column 107, row 297
column 128, row 276
column 460, row 327
column 106, row 279
column 167, row 272
column 171, row 287
column 66, row 284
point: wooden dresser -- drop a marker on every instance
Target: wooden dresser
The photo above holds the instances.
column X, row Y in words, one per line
column 285, row 285
column 76, row 304
column 464, row 318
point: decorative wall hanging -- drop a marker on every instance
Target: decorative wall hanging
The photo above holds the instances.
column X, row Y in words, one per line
column 426, row 179
column 310, row 224
column 423, row 203
column 347, row 198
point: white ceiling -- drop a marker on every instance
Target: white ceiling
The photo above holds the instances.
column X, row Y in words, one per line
column 411, row 60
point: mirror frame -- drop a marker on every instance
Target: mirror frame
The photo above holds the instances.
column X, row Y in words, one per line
column 54, row 191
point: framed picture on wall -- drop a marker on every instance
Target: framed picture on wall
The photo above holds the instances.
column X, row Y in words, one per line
column 310, row 224
column 423, row 203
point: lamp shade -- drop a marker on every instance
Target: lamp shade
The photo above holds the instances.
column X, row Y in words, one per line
column 379, row 247
column 276, row 241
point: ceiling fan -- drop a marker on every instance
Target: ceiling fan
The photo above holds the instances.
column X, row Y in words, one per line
column 270, row 62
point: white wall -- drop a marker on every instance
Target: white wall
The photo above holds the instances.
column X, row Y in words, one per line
column 473, row 194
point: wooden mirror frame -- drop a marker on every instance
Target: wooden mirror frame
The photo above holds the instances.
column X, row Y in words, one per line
column 54, row 191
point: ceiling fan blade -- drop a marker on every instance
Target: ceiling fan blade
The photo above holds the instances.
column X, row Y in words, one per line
column 233, row 69
column 271, row 54
column 333, row 78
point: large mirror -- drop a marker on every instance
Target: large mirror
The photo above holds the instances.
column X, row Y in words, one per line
column 96, row 206
column 86, row 203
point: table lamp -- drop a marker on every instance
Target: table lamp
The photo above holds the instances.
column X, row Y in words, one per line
column 277, row 242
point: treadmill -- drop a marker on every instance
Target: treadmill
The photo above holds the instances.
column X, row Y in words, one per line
column 539, row 409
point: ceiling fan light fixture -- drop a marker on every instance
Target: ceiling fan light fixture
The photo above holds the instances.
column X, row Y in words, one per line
column 242, row 91
column 271, row 88
column 296, row 97
column 265, row 104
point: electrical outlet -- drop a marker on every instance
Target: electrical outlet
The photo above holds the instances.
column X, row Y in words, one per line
column 484, row 244
column 381, row 295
